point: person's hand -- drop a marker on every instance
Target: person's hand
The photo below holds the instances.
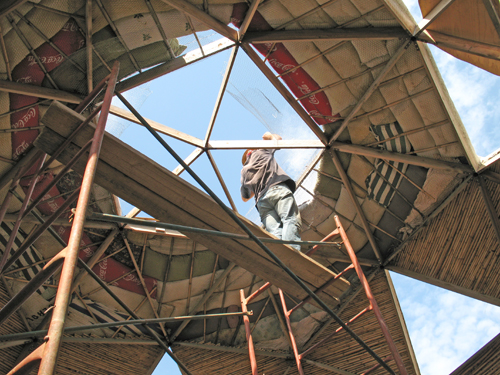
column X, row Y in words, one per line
column 269, row 137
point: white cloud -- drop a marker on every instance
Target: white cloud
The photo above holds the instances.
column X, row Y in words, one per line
column 445, row 328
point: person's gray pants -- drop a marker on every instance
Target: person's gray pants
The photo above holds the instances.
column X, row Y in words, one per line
column 279, row 213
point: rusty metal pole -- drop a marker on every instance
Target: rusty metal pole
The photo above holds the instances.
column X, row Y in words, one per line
column 246, row 321
column 54, row 336
column 371, row 299
column 290, row 333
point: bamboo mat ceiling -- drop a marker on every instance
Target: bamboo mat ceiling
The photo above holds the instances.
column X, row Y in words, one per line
column 396, row 151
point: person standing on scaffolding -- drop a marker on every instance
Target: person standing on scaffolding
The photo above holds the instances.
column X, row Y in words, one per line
column 263, row 178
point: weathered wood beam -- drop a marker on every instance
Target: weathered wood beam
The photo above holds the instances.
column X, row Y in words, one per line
column 272, row 144
column 309, row 168
column 160, row 28
column 221, row 180
column 56, row 11
column 201, row 16
column 431, row 16
column 248, row 18
column 31, row 50
column 173, row 65
column 451, row 111
column 143, row 283
column 203, row 300
column 39, row 92
column 189, row 160
column 444, row 285
column 390, row 64
column 492, row 176
column 220, row 96
column 177, row 171
column 400, row 12
column 285, row 93
column 13, row 6
column 90, row 224
column 404, row 158
column 493, row 13
column 142, row 182
column 188, row 19
column 40, row 33
column 23, row 163
column 424, row 224
column 490, row 206
column 5, row 55
column 399, row 311
column 118, row 35
column 281, row 36
column 489, row 51
column 163, row 129
column 355, row 202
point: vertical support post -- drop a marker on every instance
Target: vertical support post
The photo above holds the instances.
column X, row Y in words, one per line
column 246, row 321
column 88, row 42
column 371, row 299
column 54, row 336
column 290, row 332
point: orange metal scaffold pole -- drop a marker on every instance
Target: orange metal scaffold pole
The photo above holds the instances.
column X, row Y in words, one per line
column 373, row 306
column 46, row 354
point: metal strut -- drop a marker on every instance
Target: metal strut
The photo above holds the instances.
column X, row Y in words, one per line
column 253, row 236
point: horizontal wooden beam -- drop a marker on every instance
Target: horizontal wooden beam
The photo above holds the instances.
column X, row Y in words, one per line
column 277, row 36
column 444, row 284
column 431, row 16
column 172, row 65
column 30, row 219
column 451, row 111
column 163, row 129
column 489, row 51
column 207, row 19
column 145, row 184
column 38, row 92
column 274, row 144
column 403, row 158
column 493, row 13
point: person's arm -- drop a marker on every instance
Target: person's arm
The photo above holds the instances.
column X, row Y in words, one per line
column 269, row 137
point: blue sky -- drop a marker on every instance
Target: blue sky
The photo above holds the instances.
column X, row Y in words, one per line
column 445, row 328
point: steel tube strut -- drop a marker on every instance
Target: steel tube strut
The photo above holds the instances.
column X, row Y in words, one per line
column 182, row 228
column 48, row 364
column 119, row 323
column 152, row 333
column 371, row 299
column 253, row 236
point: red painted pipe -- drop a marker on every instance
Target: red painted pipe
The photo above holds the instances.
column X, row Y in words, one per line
column 371, row 299
column 49, row 360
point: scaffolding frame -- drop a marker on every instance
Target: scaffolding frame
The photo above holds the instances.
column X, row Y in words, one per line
column 5, row 263
column 373, row 306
